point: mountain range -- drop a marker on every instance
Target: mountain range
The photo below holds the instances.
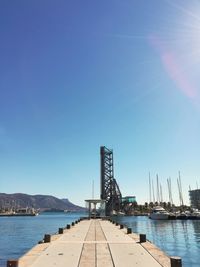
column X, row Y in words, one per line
column 42, row 202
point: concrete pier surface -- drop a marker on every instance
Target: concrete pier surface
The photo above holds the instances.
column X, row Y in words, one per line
column 94, row 243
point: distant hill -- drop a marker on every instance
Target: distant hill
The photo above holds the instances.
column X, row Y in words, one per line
column 43, row 202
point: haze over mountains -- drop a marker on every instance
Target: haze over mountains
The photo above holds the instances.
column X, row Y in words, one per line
column 43, row 202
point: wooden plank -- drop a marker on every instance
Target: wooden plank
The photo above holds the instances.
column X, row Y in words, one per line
column 131, row 255
column 88, row 256
column 103, row 256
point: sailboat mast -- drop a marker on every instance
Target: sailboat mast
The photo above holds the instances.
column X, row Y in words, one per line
column 150, row 199
column 158, row 191
column 161, row 195
column 181, row 192
column 170, row 186
column 168, row 189
column 153, row 192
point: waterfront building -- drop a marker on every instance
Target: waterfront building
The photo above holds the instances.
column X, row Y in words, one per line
column 195, row 198
column 129, row 199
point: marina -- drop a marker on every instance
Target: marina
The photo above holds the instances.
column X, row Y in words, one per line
column 104, row 236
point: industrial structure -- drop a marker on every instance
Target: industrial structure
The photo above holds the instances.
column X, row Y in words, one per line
column 110, row 191
column 111, row 201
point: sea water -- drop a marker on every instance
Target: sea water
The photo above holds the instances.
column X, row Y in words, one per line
column 19, row 234
column 175, row 237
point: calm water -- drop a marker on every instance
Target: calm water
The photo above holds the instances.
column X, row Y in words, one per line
column 175, row 237
column 179, row 238
column 19, row 234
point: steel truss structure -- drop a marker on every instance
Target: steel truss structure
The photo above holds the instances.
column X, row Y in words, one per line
column 110, row 191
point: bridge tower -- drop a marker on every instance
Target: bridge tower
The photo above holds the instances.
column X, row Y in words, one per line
column 110, row 191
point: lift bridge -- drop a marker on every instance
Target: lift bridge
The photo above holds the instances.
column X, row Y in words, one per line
column 110, row 192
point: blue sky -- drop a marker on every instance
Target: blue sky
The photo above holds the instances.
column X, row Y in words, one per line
column 75, row 75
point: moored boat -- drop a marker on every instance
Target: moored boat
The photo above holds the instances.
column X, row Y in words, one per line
column 182, row 216
column 194, row 215
column 159, row 213
column 172, row 216
column 20, row 212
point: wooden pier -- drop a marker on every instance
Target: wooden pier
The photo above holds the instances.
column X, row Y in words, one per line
column 94, row 243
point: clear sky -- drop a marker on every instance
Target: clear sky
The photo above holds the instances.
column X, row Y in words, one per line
column 75, row 75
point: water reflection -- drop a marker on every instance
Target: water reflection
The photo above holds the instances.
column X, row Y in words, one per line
column 196, row 227
column 175, row 237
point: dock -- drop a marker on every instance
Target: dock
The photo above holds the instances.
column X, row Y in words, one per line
column 94, row 243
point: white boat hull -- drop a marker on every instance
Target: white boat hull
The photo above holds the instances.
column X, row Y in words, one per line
column 159, row 213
